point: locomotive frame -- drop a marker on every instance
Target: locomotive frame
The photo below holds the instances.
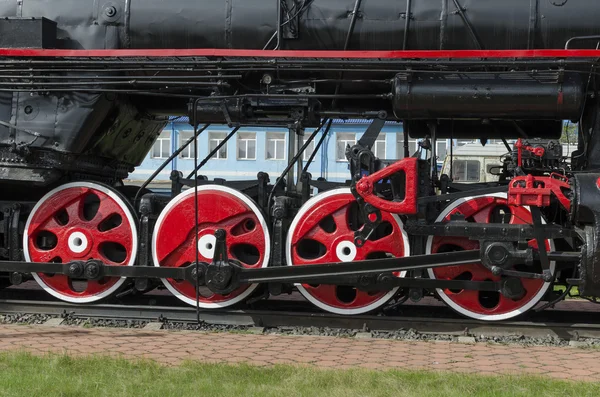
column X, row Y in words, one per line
column 499, row 246
column 488, row 251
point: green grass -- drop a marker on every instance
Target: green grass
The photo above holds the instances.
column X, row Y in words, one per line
column 22, row 374
column 574, row 291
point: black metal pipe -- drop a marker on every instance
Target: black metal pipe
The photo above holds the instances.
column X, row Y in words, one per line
column 313, row 154
column 293, row 162
column 167, row 161
column 212, row 153
column 278, row 31
column 581, row 38
column 352, row 23
column 406, row 25
column 468, row 25
column 196, row 226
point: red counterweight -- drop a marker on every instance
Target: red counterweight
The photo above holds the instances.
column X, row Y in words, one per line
column 366, row 187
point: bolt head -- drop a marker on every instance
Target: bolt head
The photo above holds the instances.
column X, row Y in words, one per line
column 110, row 11
column 75, row 270
column 362, row 186
column 267, row 79
column 92, row 270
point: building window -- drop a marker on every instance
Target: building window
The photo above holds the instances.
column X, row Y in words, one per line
column 246, row 145
column 441, row 149
column 309, row 149
column 275, row 146
column 379, row 148
column 188, row 152
column 214, row 140
column 413, row 146
column 466, row 170
column 344, row 139
column 162, row 146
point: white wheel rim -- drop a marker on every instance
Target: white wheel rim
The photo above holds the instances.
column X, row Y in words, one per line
column 337, row 310
column 126, row 209
column 253, row 207
column 468, row 313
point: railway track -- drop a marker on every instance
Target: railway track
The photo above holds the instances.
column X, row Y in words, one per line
column 555, row 323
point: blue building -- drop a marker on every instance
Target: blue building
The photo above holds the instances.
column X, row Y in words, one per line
column 254, row 149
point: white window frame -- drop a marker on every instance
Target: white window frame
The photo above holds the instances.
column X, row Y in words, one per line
column 437, row 149
column 413, row 146
column 221, row 137
column 376, row 146
column 269, row 136
column 187, row 153
column 162, row 140
column 240, row 140
column 306, row 155
column 466, row 162
column 346, row 142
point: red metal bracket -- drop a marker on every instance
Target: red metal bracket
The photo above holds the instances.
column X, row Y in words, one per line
column 537, row 151
column 536, row 190
column 366, row 187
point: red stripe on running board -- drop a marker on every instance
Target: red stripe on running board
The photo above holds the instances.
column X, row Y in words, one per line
column 203, row 52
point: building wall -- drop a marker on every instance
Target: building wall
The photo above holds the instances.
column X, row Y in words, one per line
column 326, row 163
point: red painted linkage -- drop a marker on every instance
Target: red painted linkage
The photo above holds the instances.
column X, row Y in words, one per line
column 537, row 151
column 536, row 190
column 366, row 187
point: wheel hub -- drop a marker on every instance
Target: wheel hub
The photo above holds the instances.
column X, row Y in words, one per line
column 206, row 245
column 345, row 251
column 78, row 243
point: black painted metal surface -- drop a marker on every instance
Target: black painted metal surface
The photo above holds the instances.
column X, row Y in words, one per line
column 315, row 24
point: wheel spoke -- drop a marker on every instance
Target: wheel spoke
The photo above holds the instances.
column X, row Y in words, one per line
column 255, row 238
column 388, row 244
column 321, row 236
column 51, row 225
column 106, row 209
column 341, row 219
column 73, row 210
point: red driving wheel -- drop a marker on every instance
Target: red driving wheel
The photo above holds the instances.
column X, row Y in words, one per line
column 323, row 232
column 81, row 221
column 485, row 305
column 219, row 207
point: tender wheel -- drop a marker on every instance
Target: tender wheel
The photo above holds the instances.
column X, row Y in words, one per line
column 219, row 207
column 81, row 221
column 323, row 231
column 485, row 305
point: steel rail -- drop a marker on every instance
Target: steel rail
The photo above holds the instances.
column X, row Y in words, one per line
column 285, row 318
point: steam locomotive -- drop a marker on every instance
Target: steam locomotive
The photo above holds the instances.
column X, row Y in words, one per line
column 87, row 86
